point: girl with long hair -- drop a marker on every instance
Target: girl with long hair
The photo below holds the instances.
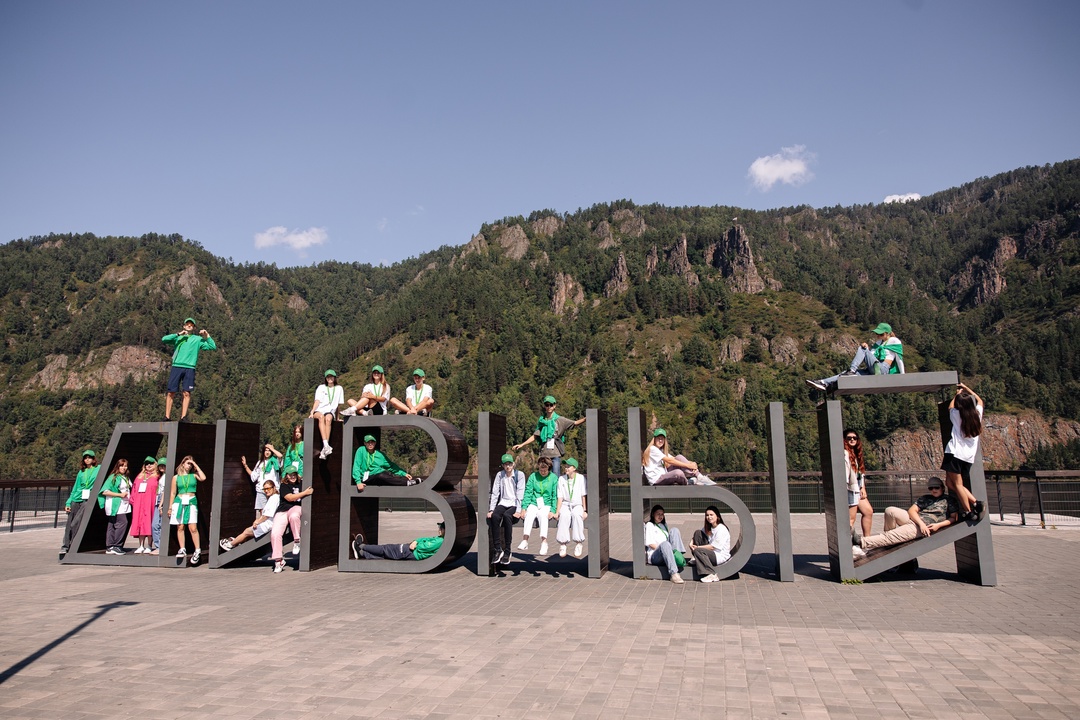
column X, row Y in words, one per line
column 115, row 499
column 184, row 506
column 661, row 544
column 663, row 468
column 855, row 465
column 712, row 544
column 965, row 413
column 327, row 398
column 294, row 450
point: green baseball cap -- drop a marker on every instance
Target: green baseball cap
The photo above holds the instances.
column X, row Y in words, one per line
column 293, row 469
column 378, row 369
column 659, row 431
column 189, row 320
column 549, row 399
column 419, row 372
column 369, row 438
column 882, row 328
column 89, row 453
column 330, row 373
column 149, row 460
column 162, row 461
column 507, row 458
column 571, row 462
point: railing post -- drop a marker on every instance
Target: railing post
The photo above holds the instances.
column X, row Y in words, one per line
column 1001, row 507
column 1020, row 499
column 56, row 507
column 14, row 507
column 1038, row 496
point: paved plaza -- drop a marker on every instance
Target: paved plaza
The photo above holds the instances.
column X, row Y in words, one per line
column 544, row 641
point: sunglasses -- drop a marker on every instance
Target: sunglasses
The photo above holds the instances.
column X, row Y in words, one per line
column 849, row 438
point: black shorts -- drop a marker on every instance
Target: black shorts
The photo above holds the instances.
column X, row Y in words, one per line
column 951, row 465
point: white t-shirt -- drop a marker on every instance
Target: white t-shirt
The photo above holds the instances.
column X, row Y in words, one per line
column 720, row 539
column 961, row 447
column 328, row 402
column 654, row 468
column 417, row 396
column 381, row 390
column 571, row 495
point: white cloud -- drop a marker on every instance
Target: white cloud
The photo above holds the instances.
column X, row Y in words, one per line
column 790, row 166
column 299, row 240
column 906, row 197
column 382, row 224
column 418, row 210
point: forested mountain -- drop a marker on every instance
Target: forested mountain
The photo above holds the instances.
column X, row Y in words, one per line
column 701, row 315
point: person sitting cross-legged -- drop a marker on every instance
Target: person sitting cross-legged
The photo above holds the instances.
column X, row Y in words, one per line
column 418, row 549
column 930, row 513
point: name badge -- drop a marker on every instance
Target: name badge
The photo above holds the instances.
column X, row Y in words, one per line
column 85, row 494
column 142, row 487
column 550, row 444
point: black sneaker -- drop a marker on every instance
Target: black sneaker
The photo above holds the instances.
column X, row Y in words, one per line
column 816, row 384
column 356, row 543
column 166, row 419
column 184, row 419
column 498, row 558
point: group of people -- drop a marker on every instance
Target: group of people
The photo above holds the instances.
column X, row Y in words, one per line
column 128, row 504
column 545, row 495
column 937, row 509
column 710, row 548
column 278, row 494
column 376, row 399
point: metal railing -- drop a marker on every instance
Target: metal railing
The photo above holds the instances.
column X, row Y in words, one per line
column 1047, row 498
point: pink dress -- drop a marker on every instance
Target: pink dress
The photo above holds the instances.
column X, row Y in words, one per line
column 142, row 504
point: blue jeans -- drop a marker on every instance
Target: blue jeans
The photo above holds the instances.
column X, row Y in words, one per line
column 863, row 357
column 556, row 463
column 663, row 554
column 155, row 526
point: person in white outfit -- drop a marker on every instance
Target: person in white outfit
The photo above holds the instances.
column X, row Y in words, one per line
column 571, row 509
column 662, row 542
column 327, row 398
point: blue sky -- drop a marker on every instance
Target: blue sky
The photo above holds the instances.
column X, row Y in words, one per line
column 299, row 132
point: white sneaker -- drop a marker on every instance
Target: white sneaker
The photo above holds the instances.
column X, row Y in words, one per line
column 196, row 556
column 677, row 579
column 562, row 551
column 702, row 479
column 523, row 545
column 710, row 578
column 322, row 454
column 857, row 552
column 327, row 451
column 817, row 384
column 181, row 553
column 226, row 545
column 577, row 550
column 296, row 548
column 543, row 547
column 348, row 412
column 279, row 566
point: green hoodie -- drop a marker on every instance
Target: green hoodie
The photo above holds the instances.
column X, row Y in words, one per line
column 426, row 547
column 186, row 348
column 83, row 481
column 373, row 464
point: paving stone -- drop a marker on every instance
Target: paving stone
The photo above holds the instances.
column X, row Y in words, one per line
column 544, row 640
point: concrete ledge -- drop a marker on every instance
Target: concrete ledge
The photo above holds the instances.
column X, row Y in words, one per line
column 883, row 384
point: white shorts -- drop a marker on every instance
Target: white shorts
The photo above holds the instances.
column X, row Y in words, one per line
column 326, row 410
column 184, row 514
column 264, row 527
